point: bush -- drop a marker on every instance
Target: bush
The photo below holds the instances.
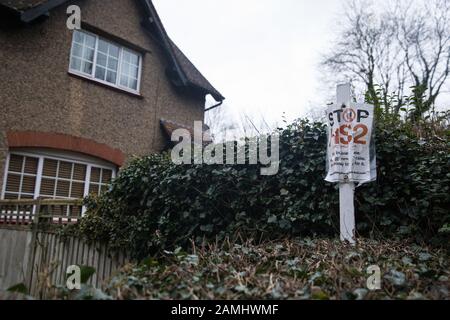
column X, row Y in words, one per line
column 154, row 204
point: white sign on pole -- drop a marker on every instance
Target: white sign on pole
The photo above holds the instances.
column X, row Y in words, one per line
column 351, row 156
column 350, row 153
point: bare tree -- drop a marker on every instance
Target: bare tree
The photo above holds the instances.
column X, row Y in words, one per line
column 366, row 51
column 220, row 123
column 252, row 126
column 424, row 35
column 390, row 50
column 225, row 127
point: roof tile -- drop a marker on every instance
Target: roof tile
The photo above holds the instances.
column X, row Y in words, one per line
column 22, row 5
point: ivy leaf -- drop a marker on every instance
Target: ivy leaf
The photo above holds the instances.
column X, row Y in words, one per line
column 18, row 288
column 424, row 256
column 86, row 273
column 272, row 219
column 397, row 278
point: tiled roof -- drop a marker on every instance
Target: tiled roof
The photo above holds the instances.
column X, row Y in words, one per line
column 193, row 74
column 22, row 5
column 170, row 126
column 181, row 62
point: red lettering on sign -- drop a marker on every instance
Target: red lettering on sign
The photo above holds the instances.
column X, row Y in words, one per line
column 342, row 134
column 361, row 134
column 349, row 115
column 346, row 138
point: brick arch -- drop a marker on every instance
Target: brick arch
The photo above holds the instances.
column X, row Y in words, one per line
column 35, row 139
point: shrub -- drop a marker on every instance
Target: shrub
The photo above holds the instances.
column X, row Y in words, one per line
column 154, row 204
column 288, row 269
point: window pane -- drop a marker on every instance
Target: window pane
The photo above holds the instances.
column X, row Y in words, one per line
column 100, row 73
column 31, row 165
column 79, row 172
column 13, row 183
column 114, row 51
column 58, row 210
column 111, row 76
column 77, row 190
column 78, row 36
column 112, row 63
column 50, row 166
column 135, row 72
column 47, row 187
column 77, row 50
column 75, row 64
column 133, row 84
column 129, row 70
column 95, row 174
column 134, row 59
column 101, row 59
column 107, row 62
column 90, row 41
column 28, row 184
column 94, row 189
column 106, row 176
column 21, row 175
column 126, row 56
column 102, row 46
column 82, row 54
column 124, row 81
column 87, row 67
column 88, row 54
column 65, row 170
column 75, row 211
column 62, row 188
column 125, row 69
column 16, row 163
column 9, row 196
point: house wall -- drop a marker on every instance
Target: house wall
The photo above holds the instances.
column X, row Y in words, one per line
column 38, row 94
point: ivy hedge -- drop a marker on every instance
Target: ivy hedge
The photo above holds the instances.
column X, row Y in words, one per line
column 154, row 204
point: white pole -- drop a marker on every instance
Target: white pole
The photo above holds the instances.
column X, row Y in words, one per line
column 346, row 189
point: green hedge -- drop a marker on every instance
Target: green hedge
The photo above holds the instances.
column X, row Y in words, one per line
column 154, row 204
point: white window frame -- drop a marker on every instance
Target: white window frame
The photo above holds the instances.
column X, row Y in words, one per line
column 5, row 176
column 22, row 175
column 52, row 156
column 119, row 64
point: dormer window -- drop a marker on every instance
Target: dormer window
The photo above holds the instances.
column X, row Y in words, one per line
column 101, row 60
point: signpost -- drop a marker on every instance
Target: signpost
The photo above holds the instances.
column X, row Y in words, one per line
column 350, row 153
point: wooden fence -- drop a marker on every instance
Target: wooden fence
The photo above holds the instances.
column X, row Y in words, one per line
column 38, row 257
column 25, row 212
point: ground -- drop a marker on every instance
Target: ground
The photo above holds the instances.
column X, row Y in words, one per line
column 289, row 269
column 284, row 269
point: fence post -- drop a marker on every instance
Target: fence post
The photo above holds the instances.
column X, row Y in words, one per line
column 33, row 245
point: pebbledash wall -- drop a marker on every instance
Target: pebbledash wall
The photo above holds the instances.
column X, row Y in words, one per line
column 37, row 95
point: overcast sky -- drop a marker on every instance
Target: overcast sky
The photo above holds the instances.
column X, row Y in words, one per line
column 262, row 55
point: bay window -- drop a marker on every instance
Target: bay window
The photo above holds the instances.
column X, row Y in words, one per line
column 30, row 175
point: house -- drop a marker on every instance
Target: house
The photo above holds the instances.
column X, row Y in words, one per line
column 75, row 105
